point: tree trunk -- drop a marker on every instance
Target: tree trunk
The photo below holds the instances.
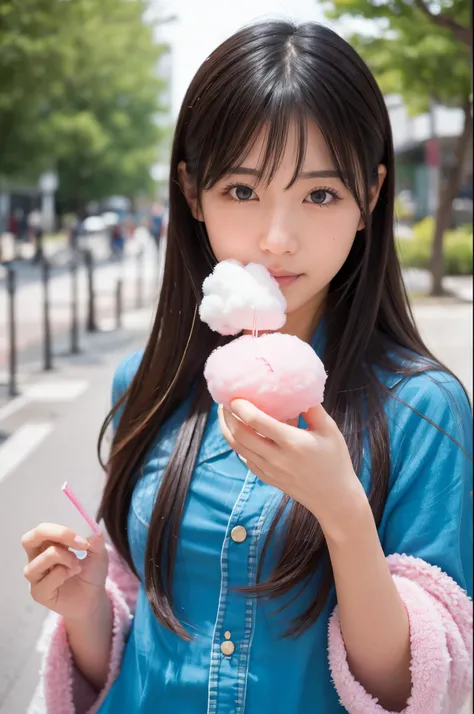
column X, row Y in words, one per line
column 448, row 191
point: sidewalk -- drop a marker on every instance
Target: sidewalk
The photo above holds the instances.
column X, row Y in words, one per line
column 94, row 347
column 418, row 282
column 26, row 250
column 29, row 313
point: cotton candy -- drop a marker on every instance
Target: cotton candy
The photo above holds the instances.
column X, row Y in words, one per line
column 280, row 374
column 240, row 298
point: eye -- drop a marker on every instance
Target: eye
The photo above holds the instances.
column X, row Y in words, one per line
column 322, row 196
column 241, row 193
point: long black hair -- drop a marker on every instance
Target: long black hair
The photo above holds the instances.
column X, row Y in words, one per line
column 268, row 75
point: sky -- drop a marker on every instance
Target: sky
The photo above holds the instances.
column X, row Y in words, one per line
column 202, row 25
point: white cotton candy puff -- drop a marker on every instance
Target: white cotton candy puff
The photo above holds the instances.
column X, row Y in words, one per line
column 280, row 374
column 240, row 298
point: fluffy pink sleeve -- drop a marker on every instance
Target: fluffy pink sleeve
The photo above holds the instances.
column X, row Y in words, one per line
column 440, row 615
column 62, row 689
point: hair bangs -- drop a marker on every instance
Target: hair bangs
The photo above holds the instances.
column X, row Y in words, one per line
column 270, row 115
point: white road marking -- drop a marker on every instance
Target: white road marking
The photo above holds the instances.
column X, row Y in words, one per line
column 20, row 445
column 65, row 391
column 56, row 391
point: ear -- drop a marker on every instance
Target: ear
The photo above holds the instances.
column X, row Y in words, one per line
column 382, row 173
column 188, row 189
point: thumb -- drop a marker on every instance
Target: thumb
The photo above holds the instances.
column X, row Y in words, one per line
column 317, row 418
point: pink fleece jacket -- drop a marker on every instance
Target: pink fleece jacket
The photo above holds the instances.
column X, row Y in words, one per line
column 439, row 611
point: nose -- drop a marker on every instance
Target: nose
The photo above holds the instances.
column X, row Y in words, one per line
column 278, row 236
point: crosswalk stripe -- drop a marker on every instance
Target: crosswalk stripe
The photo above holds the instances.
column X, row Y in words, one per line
column 20, row 445
column 60, row 391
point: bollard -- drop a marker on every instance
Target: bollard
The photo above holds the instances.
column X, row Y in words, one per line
column 75, row 350
column 47, row 354
column 91, row 324
column 11, row 287
column 118, row 304
column 140, row 278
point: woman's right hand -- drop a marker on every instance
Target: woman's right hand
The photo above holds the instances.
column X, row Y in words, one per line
column 58, row 580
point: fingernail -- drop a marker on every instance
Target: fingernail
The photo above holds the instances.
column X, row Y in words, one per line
column 241, row 410
column 81, row 542
column 80, row 554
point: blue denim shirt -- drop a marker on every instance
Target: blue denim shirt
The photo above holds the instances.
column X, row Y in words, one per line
column 427, row 514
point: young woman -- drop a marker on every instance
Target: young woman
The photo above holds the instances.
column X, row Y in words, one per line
column 257, row 566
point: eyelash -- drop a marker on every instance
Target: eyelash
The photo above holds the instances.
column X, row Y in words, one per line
column 331, row 191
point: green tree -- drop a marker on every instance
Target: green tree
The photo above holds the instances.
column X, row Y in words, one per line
column 92, row 117
column 30, row 55
column 421, row 52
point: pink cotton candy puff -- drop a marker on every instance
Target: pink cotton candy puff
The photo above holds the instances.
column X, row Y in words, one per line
column 280, row 374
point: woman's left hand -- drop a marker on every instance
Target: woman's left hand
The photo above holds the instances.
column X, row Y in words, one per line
column 313, row 466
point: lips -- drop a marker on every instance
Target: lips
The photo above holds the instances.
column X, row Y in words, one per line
column 286, row 279
column 282, row 274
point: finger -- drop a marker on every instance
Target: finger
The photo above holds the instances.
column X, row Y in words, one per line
column 36, row 540
column 246, row 436
column 318, row 419
column 96, row 543
column 257, row 471
column 260, row 422
column 246, row 454
column 44, row 591
column 40, row 566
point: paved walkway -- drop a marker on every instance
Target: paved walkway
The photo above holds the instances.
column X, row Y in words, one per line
column 418, row 282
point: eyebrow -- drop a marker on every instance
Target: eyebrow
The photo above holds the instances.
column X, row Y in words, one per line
column 325, row 173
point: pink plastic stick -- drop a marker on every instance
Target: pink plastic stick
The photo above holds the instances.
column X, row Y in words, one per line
column 67, row 490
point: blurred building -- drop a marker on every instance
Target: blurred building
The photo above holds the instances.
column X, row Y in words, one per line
column 165, row 119
column 425, row 149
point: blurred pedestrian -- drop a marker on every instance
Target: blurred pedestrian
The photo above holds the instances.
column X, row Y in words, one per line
column 19, row 230
column 156, row 222
column 117, row 242
column 37, row 233
column 73, row 232
column 14, row 226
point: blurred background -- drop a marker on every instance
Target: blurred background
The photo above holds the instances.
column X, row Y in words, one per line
column 89, row 92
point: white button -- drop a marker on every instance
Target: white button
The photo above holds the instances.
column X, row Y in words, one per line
column 238, row 534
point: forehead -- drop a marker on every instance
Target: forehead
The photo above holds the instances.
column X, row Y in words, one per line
column 316, row 152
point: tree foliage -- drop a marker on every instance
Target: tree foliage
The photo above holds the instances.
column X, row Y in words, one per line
column 80, row 95
column 422, row 51
column 414, row 54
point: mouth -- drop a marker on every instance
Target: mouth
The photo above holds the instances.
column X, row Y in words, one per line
column 285, row 279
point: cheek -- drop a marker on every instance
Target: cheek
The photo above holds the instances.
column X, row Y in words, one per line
column 229, row 228
column 332, row 239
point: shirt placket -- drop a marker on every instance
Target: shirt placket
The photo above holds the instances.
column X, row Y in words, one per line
column 233, row 631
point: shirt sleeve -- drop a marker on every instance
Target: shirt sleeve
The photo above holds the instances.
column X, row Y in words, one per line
column 426, row 533
column 62, row 689
column 122, row 379
column 429, row 509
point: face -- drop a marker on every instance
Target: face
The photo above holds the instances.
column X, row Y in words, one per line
column 302, row 235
